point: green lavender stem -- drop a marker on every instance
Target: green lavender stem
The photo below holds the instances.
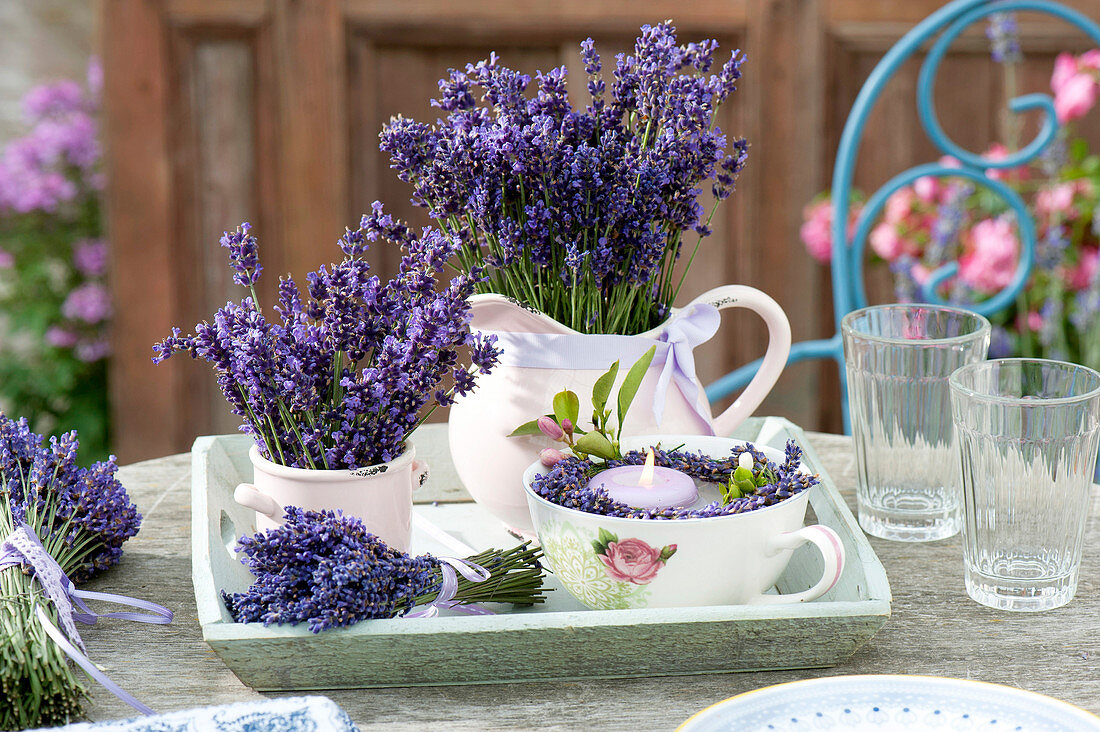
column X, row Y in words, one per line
column 516, row 578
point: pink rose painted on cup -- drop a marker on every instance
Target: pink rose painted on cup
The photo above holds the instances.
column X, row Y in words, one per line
column 630, row 560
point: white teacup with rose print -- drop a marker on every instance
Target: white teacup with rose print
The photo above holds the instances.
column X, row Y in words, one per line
column 610, row 562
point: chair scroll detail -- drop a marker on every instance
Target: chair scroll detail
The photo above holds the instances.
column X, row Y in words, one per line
column 849, row 291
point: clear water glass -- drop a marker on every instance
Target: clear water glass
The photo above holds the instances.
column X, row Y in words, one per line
column 1028, row 431
column 898, row 359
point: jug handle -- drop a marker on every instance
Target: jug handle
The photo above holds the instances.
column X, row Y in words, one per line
column 775, row 358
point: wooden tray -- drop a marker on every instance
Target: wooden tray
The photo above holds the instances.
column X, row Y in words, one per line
column 560, row 640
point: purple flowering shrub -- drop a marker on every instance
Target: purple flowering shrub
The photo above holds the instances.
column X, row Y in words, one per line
column 349, row 368
column 579, row 213
column 566, row 483
column 82, row 516
column 54, row 300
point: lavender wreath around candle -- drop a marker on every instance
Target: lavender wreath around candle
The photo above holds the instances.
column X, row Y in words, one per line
column 566, row 483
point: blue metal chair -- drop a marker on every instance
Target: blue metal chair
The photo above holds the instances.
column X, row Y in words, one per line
column 849, row 292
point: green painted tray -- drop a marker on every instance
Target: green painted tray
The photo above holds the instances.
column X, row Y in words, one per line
column 560, row 640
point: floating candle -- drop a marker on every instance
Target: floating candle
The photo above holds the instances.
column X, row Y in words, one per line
column 647, row 486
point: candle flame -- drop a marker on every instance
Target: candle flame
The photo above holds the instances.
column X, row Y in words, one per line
column 646, row 478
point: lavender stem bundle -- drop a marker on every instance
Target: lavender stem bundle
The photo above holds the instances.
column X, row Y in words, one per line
column 325, row 569
column 82, row 516
column 582, row 214
column 352, row 366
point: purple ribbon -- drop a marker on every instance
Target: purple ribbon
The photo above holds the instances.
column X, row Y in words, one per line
column 679, row 336
column 444, row 599
column 22, row 546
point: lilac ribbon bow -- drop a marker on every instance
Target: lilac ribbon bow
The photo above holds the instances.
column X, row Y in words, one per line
column 22, row 546
column 692, row 326
column 444, row 599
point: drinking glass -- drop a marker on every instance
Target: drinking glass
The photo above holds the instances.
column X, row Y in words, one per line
column 898, row 359
column 1028, row 431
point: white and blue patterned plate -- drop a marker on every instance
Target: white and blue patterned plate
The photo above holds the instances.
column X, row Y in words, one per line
column 880, row 703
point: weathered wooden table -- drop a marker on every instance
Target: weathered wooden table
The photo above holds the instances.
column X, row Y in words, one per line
column 935, row 630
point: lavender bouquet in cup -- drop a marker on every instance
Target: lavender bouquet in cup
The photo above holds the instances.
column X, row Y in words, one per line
column 345, row 371
column 582, row 214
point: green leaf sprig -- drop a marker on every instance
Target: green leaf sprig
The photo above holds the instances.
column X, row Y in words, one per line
column 743, row 482
column 603, row 440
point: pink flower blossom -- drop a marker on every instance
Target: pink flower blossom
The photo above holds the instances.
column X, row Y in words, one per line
column 90, row 257
column 1034, row 321
column 1065, row 67
column 59, row 337
column 1076, row 97
column 927, row 188
column 899, row 205
column 551, row 457
column 93, row 350
column 7, row 260
column 997, row 151
column 632, row 560
column 550, row 428
column 90, row 302
column 990, row 259
column 1081, row 276
column 817, row 229
column 919, row 273
column 1089, row 60
column 1056, row 200
column 885, row 241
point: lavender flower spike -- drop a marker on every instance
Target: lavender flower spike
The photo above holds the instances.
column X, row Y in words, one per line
column 243, row 255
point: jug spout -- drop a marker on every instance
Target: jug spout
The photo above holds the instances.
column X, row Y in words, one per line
column 493, row 312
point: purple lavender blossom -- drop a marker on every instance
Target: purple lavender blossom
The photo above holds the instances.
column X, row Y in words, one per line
column 243, row 256
column 346, row 371
column 906, row 288
column 90, row 302
column 90, row 257
column 326, row 569
column 531, row 187
column 1004, row 38
column 85, row 511
column 566, row 483
column 1001, row 343
column 1050, row 250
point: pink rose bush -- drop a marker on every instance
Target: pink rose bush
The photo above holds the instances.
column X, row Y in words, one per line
column 935, row 221
column 630, row 560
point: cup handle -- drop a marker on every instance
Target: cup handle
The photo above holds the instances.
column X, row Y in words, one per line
column 775, row 358
column 420, row 473
column 248, row 496
column 832, row 551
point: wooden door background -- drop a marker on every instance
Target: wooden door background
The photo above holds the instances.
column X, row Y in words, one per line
column 268, row 111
